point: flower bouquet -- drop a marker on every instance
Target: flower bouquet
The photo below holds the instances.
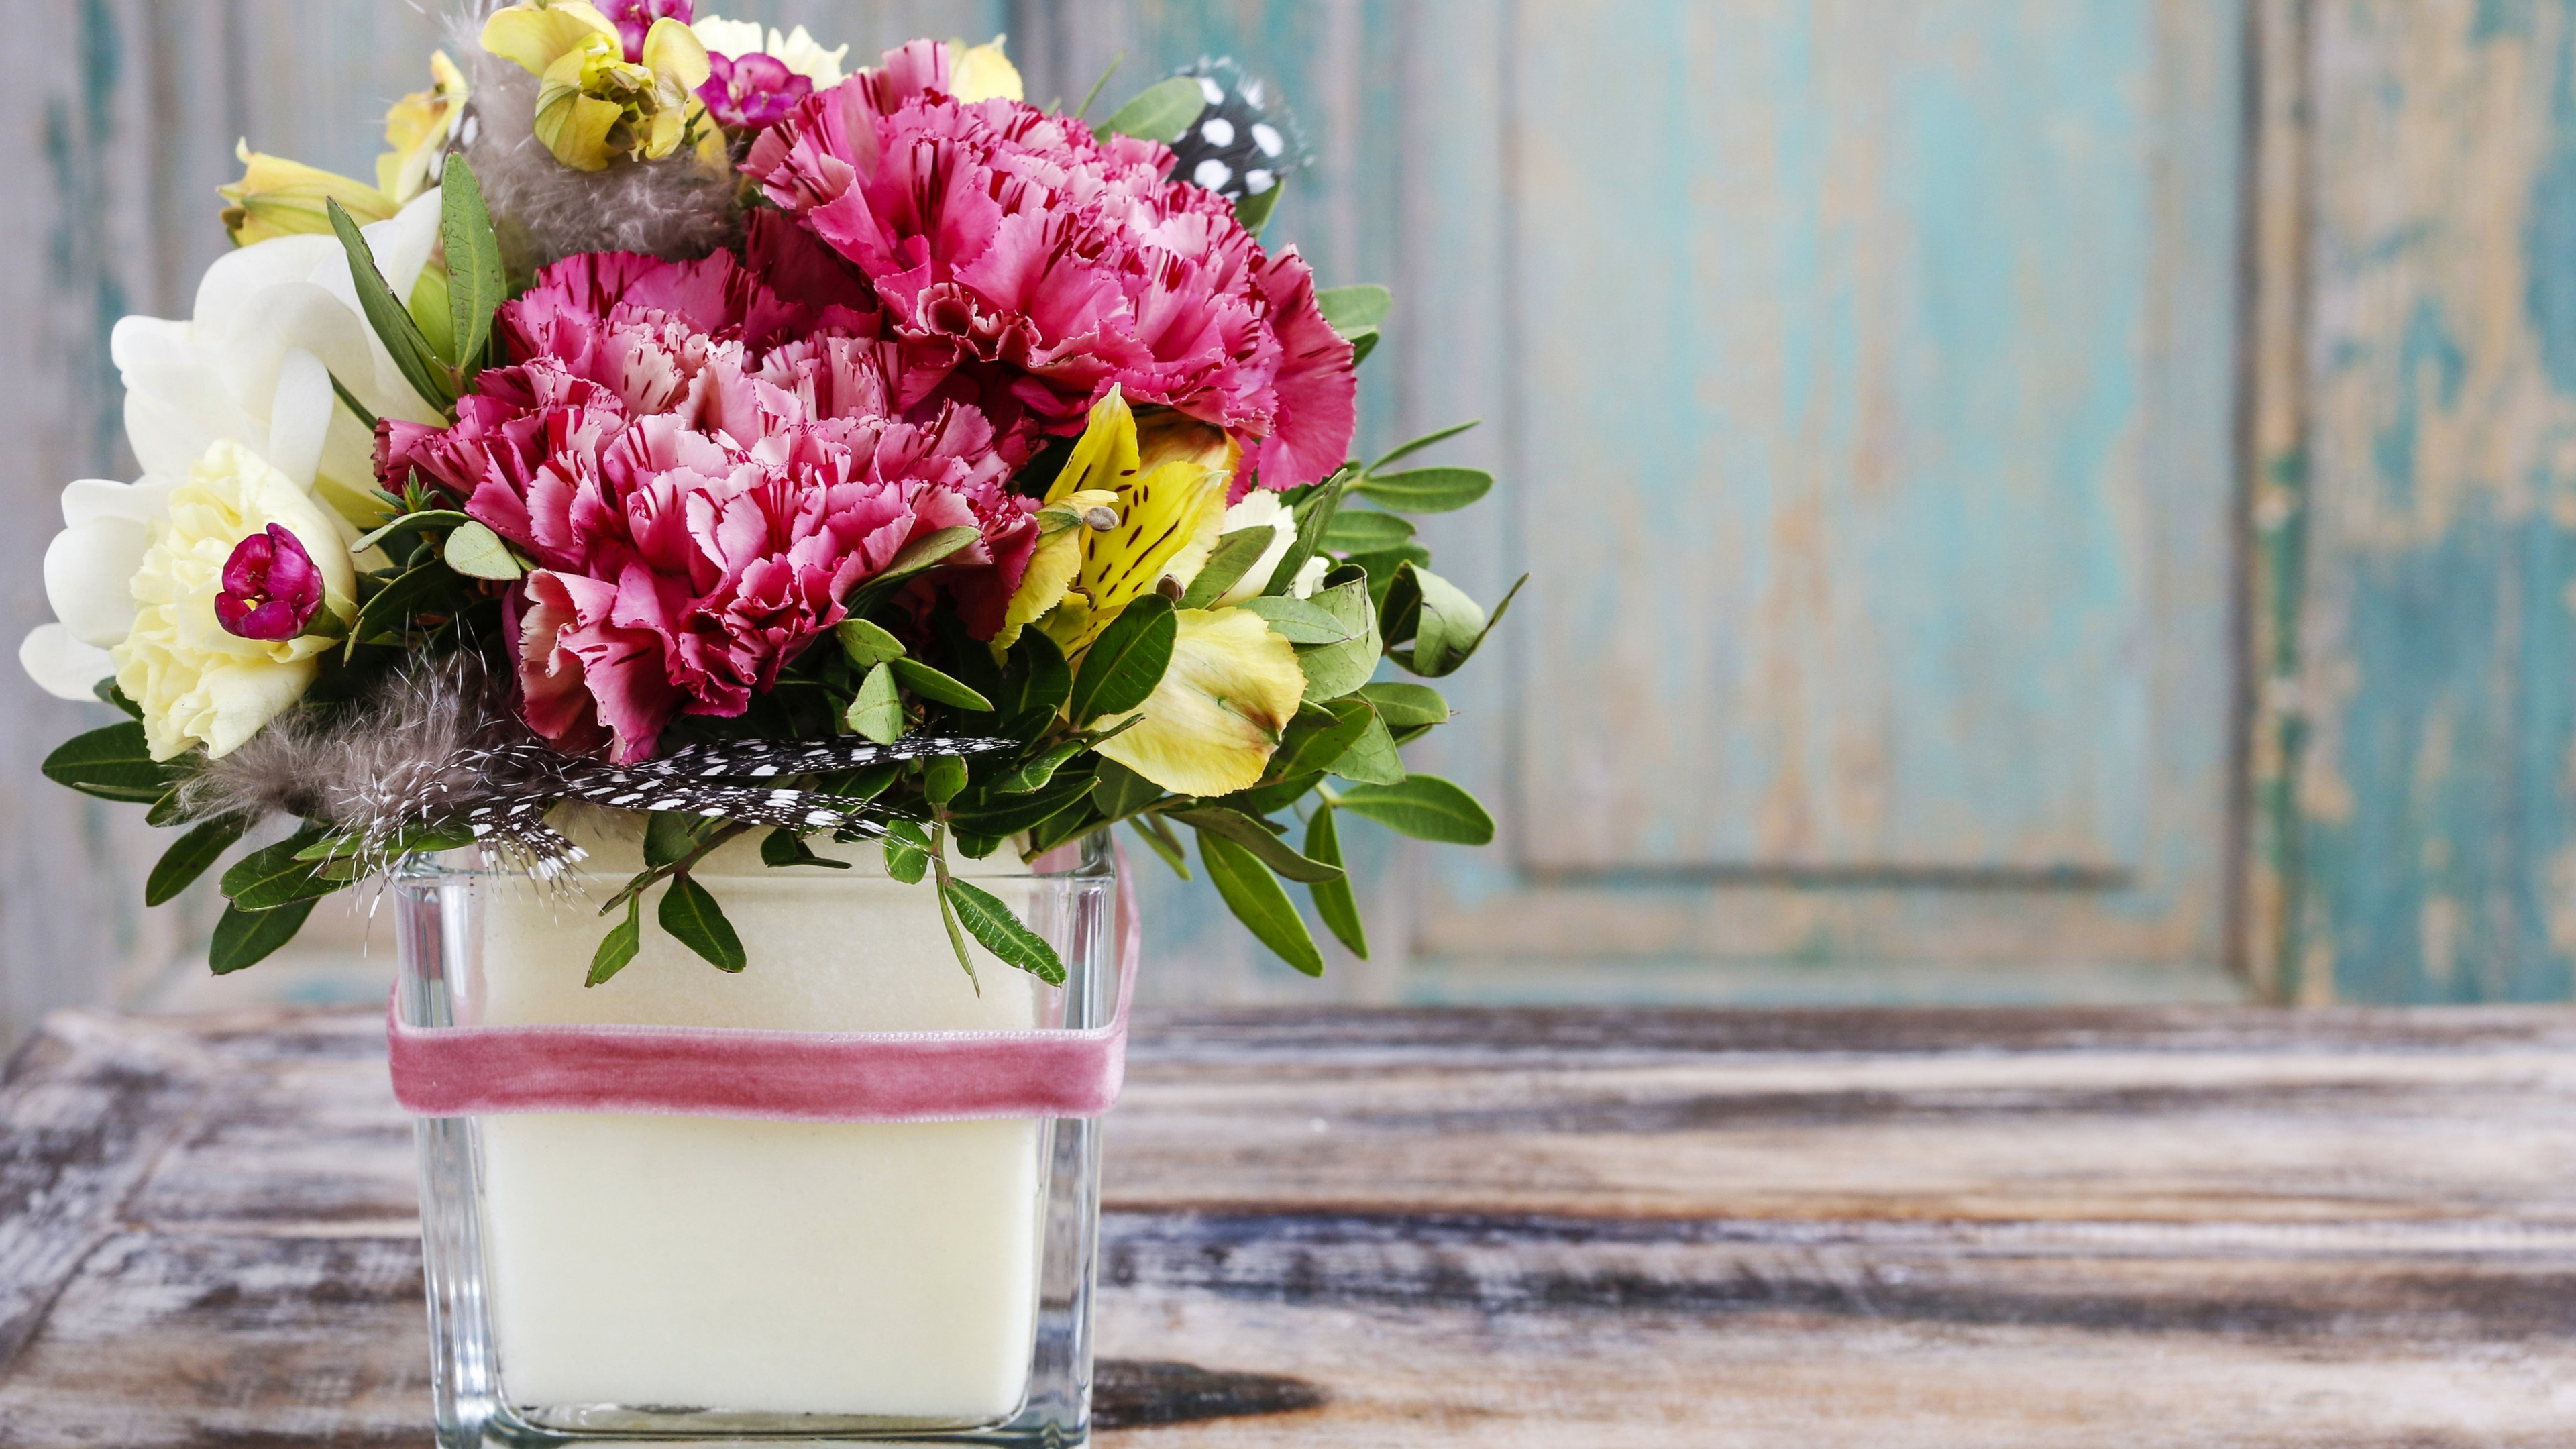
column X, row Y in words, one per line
column 811, row 511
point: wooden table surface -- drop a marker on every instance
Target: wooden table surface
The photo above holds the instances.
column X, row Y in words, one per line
column 2081, row 1228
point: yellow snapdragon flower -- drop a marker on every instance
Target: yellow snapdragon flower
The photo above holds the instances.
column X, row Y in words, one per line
column 982, row 72
column 595, row 106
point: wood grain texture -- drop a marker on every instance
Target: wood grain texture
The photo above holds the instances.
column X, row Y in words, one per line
column 1567, row 1228
column 2433, row 819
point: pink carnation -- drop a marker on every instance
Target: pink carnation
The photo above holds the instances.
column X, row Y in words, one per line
column 703, row 470
column 1066, row 257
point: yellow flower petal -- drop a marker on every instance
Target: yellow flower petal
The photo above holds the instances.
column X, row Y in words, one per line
column 537, row 33
column 982, row 72
column 278, row 197
column 418, row 128
column 1210, row 726
column 678, row 60
column 574, row 125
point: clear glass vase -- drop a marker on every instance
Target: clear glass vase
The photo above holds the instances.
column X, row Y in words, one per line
column 676, row 1279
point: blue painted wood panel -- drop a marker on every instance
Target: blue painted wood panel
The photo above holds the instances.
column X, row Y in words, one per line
column 1838, row 321
column 2429, row 799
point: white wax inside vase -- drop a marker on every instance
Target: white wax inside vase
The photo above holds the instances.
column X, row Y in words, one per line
column 722, row 1264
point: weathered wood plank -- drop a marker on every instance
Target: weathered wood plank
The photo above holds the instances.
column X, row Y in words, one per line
column 2435, row 831
column 2181, row 1227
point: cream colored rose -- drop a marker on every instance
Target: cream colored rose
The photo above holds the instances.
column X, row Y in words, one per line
column 196, row 683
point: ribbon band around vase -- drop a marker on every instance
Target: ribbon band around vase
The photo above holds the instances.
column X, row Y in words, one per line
column 793, row 1076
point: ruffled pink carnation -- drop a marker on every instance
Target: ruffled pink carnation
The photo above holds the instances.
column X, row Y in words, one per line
column 1067, row 257
column 703, row 470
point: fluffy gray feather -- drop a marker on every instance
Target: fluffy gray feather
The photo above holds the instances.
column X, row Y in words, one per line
column 543, row 210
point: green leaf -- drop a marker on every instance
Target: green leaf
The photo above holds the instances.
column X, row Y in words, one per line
column 1299, row 621
column 992, row 923
column 1253, row 209
column 350, row 401
column 244, row 937
column 114, row 763
column 1255, row 836
column 1158, row 834
column 1120, row 792
column 1259, row 901
column 190, row 855
column 669, row 836
column 108, row 693
column 477, row 552
column 690, row 913
column 929, row 683
column 1354, row 308
column 1361, row 530
column 877, row 712
column 1407, row 450
column 1426, row 490
column 917, row 557
column 1333, row 898
column 1444, row 627
column 1362, row 345
column 867, row 644
column 1267, row 800
column 1425, row 807
column 620, row 944
column 1334, row 670
column 1372, row 758
column 942, row 776
column 266, row 879
column 1124, row 664
column 410, row 523
column 907, row 852
column 1318, row 736
column 1407, row 706
column 476, row 287
column 782, row 848
column 948, row 918
column 996, row 817
column 1160, row 112
column 391, row 609
column 1040, row 680
column 1035, row 774
column 350, row 844
column 1314, row 514
column 419, row 363
column 1234, row 557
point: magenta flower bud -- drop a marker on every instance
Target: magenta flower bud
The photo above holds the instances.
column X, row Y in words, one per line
column 751, row 92
column 271, row 588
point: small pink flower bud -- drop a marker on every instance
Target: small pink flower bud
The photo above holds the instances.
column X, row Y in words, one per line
column 271, row 588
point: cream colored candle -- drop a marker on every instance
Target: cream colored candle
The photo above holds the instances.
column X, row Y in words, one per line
column 711, row 1263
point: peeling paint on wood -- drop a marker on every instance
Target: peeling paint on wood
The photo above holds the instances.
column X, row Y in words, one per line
column 2428, row 800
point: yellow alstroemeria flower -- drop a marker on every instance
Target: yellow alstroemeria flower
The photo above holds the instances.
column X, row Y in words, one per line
column 982, row 72
column 1169, row 478
column 418, row 128
column 278, row 197
column 1209, row 728
column 595, row 106
column 1233, row 682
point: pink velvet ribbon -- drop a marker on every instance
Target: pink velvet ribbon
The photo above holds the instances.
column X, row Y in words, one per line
column 787, row 1076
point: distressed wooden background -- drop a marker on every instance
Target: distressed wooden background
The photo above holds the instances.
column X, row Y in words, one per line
column 2027, row 501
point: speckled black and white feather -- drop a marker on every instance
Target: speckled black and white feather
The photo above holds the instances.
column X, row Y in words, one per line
column 437, row 747
column 1243, row 143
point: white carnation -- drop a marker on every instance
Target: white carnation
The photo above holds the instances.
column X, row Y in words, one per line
column 195, row 682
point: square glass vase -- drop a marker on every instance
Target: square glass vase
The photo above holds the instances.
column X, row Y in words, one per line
column 677, row 1279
